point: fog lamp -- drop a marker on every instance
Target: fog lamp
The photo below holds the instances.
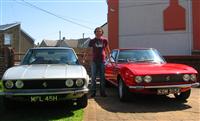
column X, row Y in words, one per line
column 147, row 79
column 193, row 77
column 19, row 84
column 9, row 84
column 138, row 79
column 69, row 82
column 79, row 82
column 186, row 77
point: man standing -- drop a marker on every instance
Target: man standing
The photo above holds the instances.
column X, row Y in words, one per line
column 100, row 49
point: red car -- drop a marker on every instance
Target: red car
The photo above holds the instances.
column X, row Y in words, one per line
column 145, row 71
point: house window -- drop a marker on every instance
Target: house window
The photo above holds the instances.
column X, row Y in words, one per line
column 8, row 39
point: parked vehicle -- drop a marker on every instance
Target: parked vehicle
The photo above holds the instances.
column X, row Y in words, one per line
column 46, row 75
column 145, row 71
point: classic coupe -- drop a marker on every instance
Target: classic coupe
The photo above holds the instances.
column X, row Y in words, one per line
column 46, row 74
column 145, row 71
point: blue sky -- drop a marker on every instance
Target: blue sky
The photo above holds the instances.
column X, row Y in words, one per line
column 86, row 14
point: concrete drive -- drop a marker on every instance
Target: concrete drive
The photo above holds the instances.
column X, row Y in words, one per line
column 143, row 108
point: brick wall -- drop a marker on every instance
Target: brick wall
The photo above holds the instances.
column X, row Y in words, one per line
column 84, row 57
column 2, row 67
column 6, row 59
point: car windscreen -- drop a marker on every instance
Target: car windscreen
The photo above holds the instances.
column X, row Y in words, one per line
column 146, row 55
column 50, row 56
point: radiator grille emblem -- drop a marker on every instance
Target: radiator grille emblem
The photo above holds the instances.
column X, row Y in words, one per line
column 167, row 78
column 44, row 84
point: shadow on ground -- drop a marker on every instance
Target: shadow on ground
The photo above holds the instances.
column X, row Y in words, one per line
column 36, row 112
column 139, row 103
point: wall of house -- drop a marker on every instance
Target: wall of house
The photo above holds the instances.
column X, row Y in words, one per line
column 15, row 31
column 26, row 41
column 141, row 24
column 196, row 25
column 1, row 41
column 113, row 23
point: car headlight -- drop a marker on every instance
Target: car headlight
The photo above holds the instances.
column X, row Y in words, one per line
column 147, row 79
column 79, row 82
column 69, row 82
column 138, row 79
column 9, row 84
column 193, row 77
column 19, row 84
column 186, row 77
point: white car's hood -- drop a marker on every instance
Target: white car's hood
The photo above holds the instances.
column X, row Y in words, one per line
column 39, row 71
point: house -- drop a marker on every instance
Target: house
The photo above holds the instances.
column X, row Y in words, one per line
column 83, row 43
column 48, row 43
column 171, row 26
column 73, row 43
column 11, row 35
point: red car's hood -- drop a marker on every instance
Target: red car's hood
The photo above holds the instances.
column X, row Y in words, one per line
column 167, row 68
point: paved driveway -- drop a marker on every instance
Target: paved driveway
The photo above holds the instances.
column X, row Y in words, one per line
column 144, row 108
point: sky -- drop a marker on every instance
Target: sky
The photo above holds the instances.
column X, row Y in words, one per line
column 43, row 19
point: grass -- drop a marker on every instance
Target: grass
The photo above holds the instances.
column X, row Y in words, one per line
column 41, row 112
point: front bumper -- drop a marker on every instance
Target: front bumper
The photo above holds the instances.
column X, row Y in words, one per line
column 165, row 86
column 44, row 92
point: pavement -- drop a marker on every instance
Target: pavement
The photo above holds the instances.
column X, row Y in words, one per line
column 143, row 108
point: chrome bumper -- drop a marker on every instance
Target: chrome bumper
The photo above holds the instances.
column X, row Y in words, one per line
column 44, row 92
column 165, row 86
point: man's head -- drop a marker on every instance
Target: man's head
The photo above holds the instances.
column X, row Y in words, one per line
column 98, row 32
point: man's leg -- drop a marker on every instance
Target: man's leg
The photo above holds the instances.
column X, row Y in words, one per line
column 102, row 80
column 93, row 81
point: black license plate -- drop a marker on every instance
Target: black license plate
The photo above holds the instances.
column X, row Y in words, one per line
column 168, row 91
column 43, row 98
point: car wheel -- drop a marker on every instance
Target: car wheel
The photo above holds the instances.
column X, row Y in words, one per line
column 82, row 102
column 123, row 91
column 183, row 95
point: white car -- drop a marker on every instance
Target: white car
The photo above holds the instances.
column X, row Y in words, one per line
column 46, row 75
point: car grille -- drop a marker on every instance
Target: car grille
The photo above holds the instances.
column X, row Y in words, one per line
column 167, row 78
column 43, row 84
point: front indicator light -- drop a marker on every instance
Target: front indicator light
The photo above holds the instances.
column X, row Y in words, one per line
column 147, row 79
column 69, row 82
column 193, row 77
column 186, row 77
column 138, row 79
column 19, row 84
column 9, row 84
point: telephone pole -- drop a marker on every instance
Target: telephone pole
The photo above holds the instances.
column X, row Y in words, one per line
column 83, row 35
column 59, row 35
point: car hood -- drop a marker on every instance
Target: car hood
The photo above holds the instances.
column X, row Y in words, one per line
column 47, row 71
column 166, row 68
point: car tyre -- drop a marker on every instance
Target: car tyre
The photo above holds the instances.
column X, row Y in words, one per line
column 183, row 96
column 82, row 102
column 123, row 91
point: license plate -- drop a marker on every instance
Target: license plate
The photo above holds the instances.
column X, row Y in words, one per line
column 43, row 98
column 168, row 91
